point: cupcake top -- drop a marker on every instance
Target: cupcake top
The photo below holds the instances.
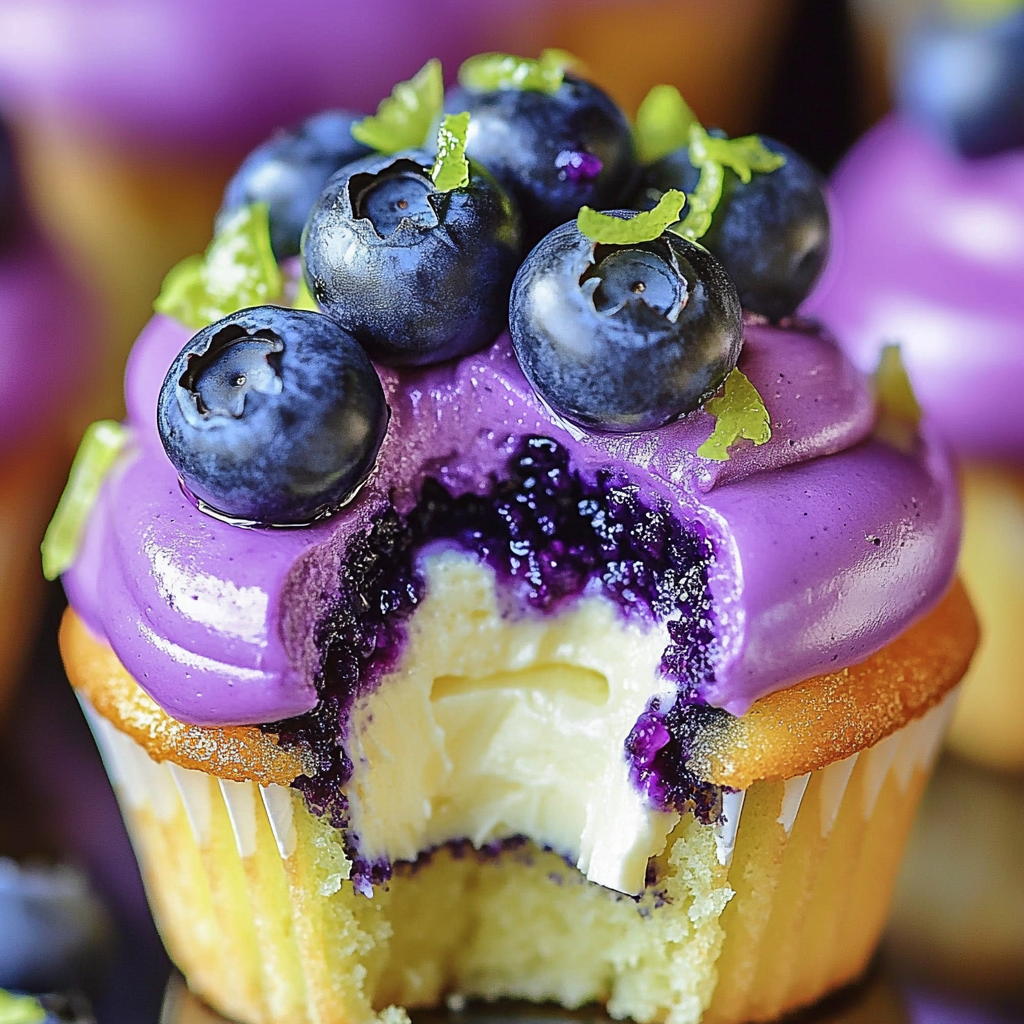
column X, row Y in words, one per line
column 218, row 76
column 930, row 233
column 44, row 337
column 596, row 419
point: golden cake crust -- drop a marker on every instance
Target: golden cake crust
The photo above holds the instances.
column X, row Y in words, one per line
column 788, row 733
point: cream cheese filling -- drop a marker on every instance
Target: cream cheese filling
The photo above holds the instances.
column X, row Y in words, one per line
column 494, row 726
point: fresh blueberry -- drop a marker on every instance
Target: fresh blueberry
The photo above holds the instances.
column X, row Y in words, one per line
column 54, row 932
column 964, row 82
column 553, row 152
column 8, row 185
column 272, row 416
column 289, row 171
column 415, row 274
column 771, row 234
column 624, row 337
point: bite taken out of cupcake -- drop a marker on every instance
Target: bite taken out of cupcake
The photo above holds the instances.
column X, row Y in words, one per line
column 930, row 255
column 463, row 620
column 46, row 346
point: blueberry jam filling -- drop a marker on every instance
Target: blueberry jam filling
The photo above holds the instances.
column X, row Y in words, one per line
column 548, row 534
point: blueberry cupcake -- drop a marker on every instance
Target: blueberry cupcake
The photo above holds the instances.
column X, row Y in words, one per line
column 930, row 207
column 46, row 347
column 457, row 621
column 153, row 107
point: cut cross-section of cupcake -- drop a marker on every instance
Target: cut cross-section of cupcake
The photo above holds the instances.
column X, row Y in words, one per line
column 541, row 712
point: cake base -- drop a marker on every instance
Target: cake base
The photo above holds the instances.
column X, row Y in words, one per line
column 740, row 921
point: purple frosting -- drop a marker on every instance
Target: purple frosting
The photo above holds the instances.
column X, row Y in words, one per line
column 224, row 73
column 45, row 340
column 928, row 251
column 827, row 543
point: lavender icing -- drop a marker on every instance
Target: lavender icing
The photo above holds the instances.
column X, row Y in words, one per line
column 827, row 543
column 222, row 75
column 45, row 339
column 928, row 251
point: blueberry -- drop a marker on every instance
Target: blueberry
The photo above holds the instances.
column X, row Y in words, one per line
column 624, row 337
column 416, row 275
column 54, row 932
column 964, row 82
column 272, row 416
column 8, row 185
column 289, row 171
column 553, row 152
column 771, row 234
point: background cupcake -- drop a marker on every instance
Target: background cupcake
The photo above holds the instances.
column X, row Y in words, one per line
column 47, row 349
column 930, row 255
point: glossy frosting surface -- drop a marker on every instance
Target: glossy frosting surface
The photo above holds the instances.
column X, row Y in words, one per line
column 827, row 543
column 928, row 251
column 45, row 339
column 223, row 74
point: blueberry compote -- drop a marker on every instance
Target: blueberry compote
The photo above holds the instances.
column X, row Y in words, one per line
column 548, row 533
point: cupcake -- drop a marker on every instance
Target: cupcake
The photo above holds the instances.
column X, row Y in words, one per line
column 459, row 622
column 153, row 105
column 931, row 226
column 46, row 347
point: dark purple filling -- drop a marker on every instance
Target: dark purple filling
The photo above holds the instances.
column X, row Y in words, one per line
column 548, row 534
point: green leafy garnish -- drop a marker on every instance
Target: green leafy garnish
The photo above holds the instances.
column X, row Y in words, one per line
column 20, row 1009
column 487, row 72
column 101, row 445
column 451, row 168
column 237, row 270
column 662, row 123
column 644, row 227
column 743, row 156
column 739, row 412
column 898, row 411
column 404, row 119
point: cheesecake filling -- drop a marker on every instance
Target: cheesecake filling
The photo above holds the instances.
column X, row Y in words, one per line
column 496, row 725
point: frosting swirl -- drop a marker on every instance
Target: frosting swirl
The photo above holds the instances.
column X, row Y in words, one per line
column 827, row 542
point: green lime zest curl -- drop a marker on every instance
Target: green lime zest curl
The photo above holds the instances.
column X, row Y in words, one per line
column 237, row 270
column 644, row 227
column 451, row 168
column 404, row 119
column 101, row 444
column 662, row 124
column 898, row 411
column 20, row 1009
column 489, row 72
column 743, row 156
column 739, row 412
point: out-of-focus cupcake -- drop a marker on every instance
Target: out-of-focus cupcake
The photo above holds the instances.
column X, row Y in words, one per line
column 46, row 354
column 929, row 254
column 720, row 56
column 132, row 116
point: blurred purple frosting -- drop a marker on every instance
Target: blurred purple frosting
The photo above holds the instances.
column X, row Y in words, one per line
column 827, row 543
column 223, row 73
column 928, row 251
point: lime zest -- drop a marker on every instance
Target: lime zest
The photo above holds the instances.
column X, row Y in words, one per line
column 101, row 444
column 662, row 123
column 237, row 270
column 404, row 119
column 20, row 1009
column 644, row 227
column 451, row 168
column 489, row 72
column 739, row 412
column 899, row 414
column 893, row 390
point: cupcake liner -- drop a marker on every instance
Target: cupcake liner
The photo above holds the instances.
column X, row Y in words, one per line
column 766, row 911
